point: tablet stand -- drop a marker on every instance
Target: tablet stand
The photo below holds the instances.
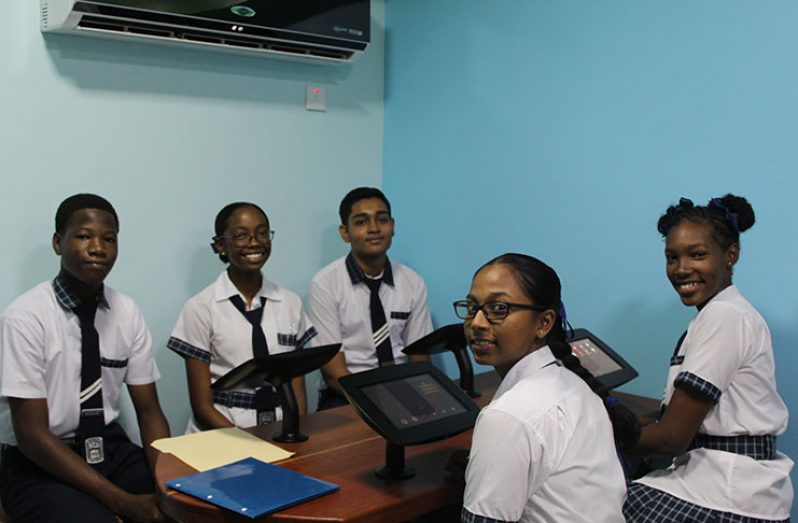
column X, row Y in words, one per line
column 290, row 426
column 278, row 370
column 408, row 404
column 394, row 463
column 451, row 338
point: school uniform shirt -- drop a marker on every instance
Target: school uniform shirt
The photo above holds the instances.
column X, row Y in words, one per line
column 339, row 308
column 727, row 355
column 211, row 329
column 40, row 354
column 543, row 451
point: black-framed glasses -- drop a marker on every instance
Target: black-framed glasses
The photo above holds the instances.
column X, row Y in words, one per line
column 241, row 238
column 494, row 311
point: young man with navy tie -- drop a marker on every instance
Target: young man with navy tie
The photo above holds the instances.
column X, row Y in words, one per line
column 374, row 305
column 67, row 347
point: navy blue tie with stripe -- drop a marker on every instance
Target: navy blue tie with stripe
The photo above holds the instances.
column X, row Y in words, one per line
column 92, row 417
column 265, row 398
column 380, row 329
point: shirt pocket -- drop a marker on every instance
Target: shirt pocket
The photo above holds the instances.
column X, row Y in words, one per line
column 398, row 323
column 113, row 375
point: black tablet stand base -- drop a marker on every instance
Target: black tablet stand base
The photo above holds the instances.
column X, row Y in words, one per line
column 394, row 463
column 290, row 429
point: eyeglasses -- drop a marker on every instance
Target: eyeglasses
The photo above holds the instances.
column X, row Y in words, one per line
column 242, row 238
column 494, row 311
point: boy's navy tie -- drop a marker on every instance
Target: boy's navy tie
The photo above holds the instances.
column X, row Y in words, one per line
column 379, row 326
column 92, row 416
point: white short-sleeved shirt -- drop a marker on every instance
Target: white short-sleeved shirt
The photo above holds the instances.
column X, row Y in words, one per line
column 727, row 354
column 339, row 308
column 40, row 354
column 543, row 450
column 211, row 329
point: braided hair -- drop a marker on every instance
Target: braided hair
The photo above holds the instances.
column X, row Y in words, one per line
column 540, row 283
column 728, row 216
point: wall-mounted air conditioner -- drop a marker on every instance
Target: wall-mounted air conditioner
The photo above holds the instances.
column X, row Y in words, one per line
column 317, row 30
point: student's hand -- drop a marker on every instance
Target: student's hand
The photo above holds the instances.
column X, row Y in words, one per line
column 456, row 467
column 138, row 508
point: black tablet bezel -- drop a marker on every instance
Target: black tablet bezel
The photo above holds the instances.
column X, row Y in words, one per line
column 353, row 385
column 276, row 368
column 613, row 379
column 449, row 337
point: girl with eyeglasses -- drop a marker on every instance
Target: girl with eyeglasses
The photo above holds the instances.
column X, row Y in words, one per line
column 721, row 411
column 544, row 448
column 240, row 316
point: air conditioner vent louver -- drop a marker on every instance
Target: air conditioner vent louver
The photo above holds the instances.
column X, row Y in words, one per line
column 326, row 31
column 90, row 23
column 242, row 43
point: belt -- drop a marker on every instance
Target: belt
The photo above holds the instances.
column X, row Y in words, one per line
column 757, row 447
column 234, row 398
column 242, row 400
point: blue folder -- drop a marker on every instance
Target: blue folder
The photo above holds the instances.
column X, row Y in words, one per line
column 251, row 487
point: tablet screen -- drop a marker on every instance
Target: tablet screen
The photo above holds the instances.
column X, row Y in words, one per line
column 413, row 400
column 593, row 358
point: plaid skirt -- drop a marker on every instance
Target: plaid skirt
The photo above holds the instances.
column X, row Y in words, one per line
column 649, row 505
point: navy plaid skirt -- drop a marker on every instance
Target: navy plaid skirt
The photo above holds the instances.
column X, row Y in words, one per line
column 649, row 505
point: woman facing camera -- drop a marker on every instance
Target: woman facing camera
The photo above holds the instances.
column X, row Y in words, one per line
column 240, row 316
column 543, row 449
column 721, row 410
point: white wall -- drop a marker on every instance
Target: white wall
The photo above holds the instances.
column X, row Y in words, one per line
column 169, row 136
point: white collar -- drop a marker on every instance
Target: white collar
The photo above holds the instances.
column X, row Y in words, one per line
column 529, row 364
column 224, row 288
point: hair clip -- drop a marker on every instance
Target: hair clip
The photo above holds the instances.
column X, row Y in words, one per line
column 731, row 216
column 566, row 325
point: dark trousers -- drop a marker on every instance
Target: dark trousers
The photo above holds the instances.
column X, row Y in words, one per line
column 30, row 494
column 329, row 399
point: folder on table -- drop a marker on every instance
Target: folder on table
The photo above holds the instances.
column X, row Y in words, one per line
column 213, row 448
column 251, row 487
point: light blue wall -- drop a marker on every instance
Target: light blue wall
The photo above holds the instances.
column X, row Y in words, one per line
column 563, row 129
column 170, row 136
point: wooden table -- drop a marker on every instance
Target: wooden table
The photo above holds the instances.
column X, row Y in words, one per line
column 344, row 450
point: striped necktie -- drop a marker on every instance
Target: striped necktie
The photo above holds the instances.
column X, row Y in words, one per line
column 381, row 333
column 265, row 398
column 92, row 417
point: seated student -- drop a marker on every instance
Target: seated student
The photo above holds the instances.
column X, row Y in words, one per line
column 721, row 410
column 543, row 449
column 67, row 347
column 239, row 316
column 349, row 304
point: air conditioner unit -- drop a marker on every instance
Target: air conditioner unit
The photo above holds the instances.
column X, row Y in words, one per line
column 327, row 31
